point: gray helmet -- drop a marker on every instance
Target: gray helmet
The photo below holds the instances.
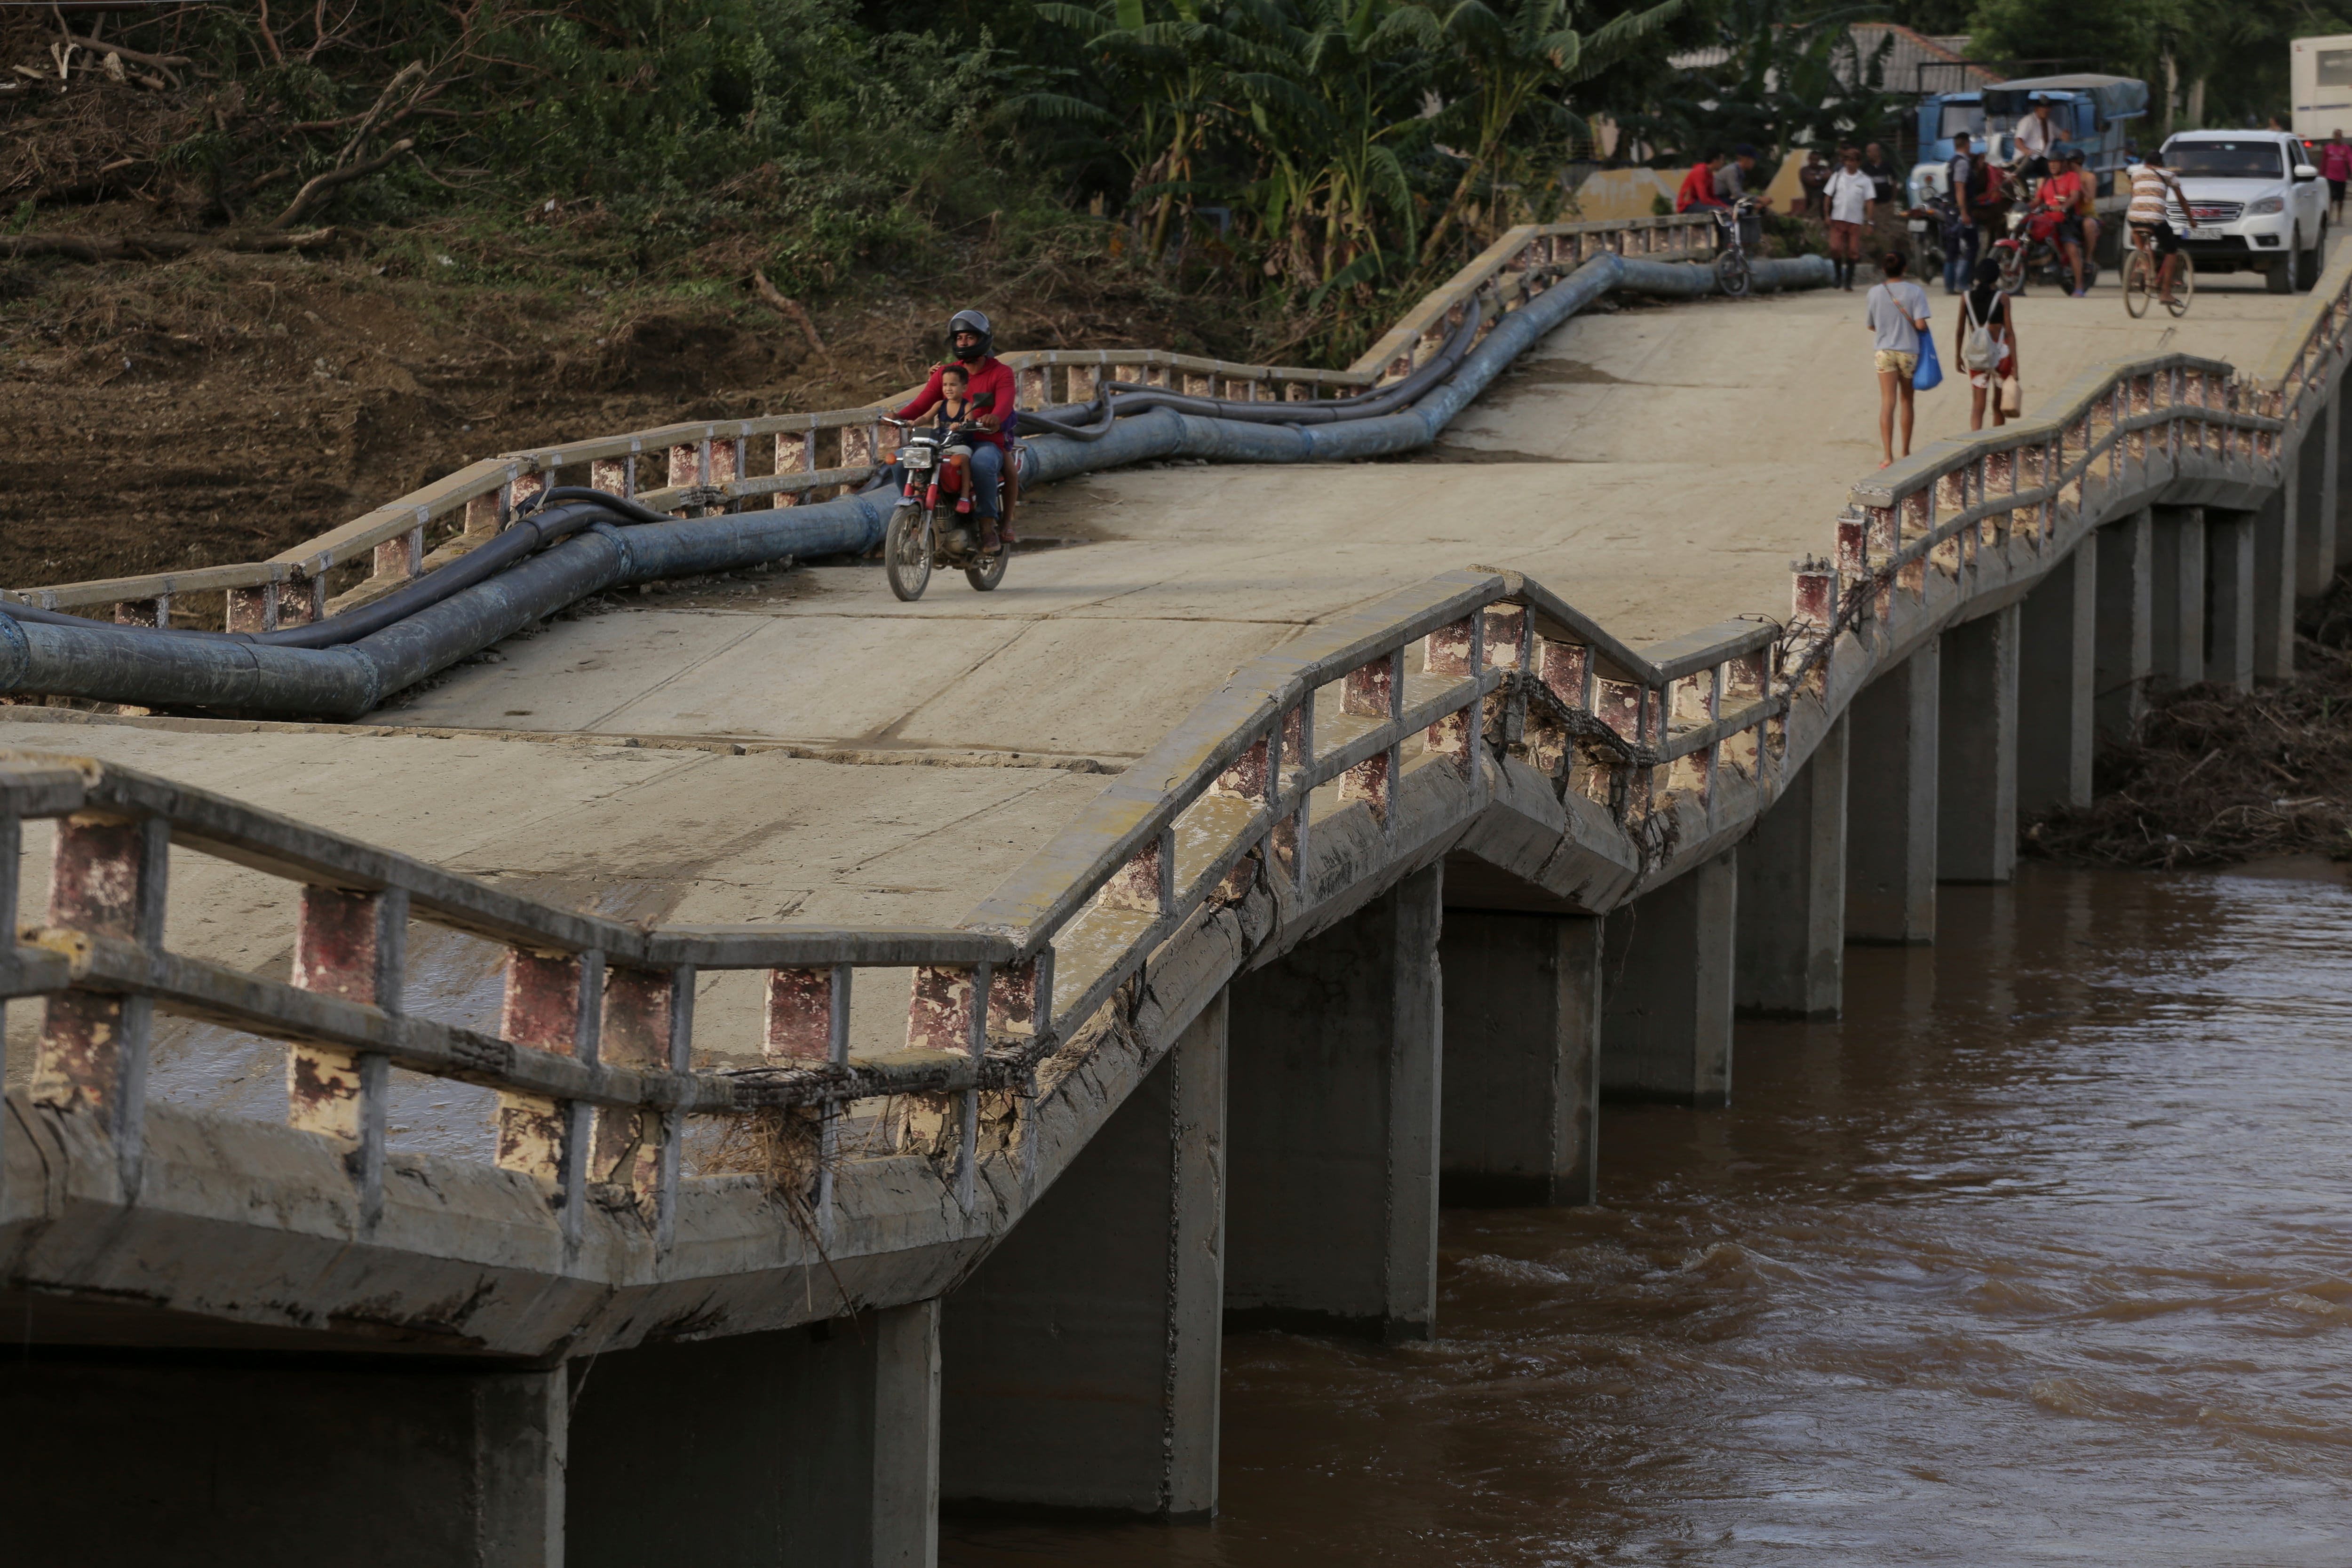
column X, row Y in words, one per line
column 970, row 321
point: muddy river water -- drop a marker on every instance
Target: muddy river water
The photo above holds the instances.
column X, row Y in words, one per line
column 2042, row 1255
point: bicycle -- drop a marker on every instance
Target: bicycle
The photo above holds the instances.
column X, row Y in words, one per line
column 1732, row 274
column 2143, row 270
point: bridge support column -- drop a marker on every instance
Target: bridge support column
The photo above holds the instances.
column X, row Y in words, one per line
column 1079, row 1363
column 1666, row 1031
column 2340, row 492
column 260, row 1461
column 2057, row 641
column 1522, row 1057
column 1976, row 751
column 2315, row 502
column 808, row 1445
column 2274, row 575
column 1333, row 1105
column 2176, row 637
column 1891, row 822
column 2127, row 601
column 2230, row 618
column 1791, row 957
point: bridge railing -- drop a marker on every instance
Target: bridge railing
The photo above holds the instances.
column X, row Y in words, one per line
column 592, row 1061
column 778, row 460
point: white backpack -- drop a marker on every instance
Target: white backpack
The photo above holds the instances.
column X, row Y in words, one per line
column 1981, row 350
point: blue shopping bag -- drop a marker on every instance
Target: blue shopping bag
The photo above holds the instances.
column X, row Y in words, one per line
column 1930, row 374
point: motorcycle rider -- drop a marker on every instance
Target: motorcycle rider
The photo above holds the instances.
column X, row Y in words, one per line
column 969, row 341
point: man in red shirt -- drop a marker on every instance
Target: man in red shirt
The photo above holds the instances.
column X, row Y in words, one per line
column 1698, row 185
column 2064, row 193
column 969, row 338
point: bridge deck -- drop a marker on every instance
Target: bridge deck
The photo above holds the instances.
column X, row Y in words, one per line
column 1659, row 467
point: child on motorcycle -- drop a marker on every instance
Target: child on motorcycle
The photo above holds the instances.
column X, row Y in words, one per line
column 956, row 419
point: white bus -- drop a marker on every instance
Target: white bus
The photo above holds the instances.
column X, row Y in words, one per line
column 2320, row 79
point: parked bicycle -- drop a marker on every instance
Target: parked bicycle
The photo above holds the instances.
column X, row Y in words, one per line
column 1732, row 272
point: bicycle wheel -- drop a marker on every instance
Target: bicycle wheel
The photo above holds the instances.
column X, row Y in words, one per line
column 2139, row 281
column 906, row 552
column 1731, row 273
column 2184, row 284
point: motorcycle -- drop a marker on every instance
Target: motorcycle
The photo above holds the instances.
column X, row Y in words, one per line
column 2030, row 247
column 920, row 536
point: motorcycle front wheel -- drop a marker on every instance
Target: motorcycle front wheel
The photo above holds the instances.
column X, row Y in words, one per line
column 906, row 552
column 1731, row 273
column 2013, row 273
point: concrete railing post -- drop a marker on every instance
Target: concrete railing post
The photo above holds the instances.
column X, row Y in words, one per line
column 1891, row 817
column 1976, row 752
column 1665, row 1028
column 2177, row 635
column 2057, row 669
column 823, row 1442
column 2340, row 493
column 1791, row 957
column 351, row 946
column 2230, row 615
column 2126, row 613
column 107, row 877
column 1333, row 1102
column 1093, row 1330
column 554, row 1002
column 1522, row 1058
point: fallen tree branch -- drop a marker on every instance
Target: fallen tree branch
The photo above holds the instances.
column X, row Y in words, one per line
column 160, row 62
column 383, row 101
column 792, row 307
column 156, row 246
column 308, row 197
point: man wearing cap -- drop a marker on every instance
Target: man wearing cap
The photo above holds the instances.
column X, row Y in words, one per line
column 2035, row 135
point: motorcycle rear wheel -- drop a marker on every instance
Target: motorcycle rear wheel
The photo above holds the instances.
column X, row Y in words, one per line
column 988, row 571
column 906, row 552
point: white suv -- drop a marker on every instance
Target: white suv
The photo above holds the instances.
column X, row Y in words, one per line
column 2253, row 202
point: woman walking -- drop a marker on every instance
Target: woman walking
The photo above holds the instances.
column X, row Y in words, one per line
column 1991, row 359
column 1896, row 312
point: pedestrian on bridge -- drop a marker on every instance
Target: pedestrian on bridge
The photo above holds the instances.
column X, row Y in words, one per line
column 1896, row 312
column 1987, row 334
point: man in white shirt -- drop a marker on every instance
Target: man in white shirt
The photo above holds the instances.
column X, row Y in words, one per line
column 1849, row 196
column 2036, row 134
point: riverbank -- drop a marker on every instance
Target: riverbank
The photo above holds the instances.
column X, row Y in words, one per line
column 2214, row 777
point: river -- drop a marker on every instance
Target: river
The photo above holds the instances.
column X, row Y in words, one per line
column 2042, row 1255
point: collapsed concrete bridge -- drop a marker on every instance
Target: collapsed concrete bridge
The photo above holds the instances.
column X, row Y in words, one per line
column 421, row 1215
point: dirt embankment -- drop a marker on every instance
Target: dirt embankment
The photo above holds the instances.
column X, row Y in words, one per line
column 222, row 407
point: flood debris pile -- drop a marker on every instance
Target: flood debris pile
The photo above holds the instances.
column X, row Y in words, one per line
column 2214, row 777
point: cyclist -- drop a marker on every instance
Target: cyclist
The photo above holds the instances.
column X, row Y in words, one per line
column 2156, row 191
column 1698, row 191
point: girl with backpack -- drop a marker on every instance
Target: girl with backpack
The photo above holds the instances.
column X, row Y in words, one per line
column 1987, row 334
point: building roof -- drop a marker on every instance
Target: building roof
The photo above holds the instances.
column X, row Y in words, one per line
column 1919, row 63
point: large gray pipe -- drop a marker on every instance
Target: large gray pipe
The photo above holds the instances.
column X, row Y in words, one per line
column 91, row 659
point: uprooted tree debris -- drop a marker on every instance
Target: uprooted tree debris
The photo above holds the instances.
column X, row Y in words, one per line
column 2214, row 777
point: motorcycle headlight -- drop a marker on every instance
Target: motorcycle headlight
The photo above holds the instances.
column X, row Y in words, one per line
column 2267, row 207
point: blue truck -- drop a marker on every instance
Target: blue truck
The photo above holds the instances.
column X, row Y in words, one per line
column 2094, row 111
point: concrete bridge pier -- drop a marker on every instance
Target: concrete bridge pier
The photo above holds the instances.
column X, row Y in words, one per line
column 1333, row 1101
column 2127, row 618
column 1666, row 1031
column 1080, row 1361
column 2177, row 634
column 1976, row 751
column 1892, row 820
column 1522, row 1006
column 813, row 1444
column 2312, row 491
column 2229, row 578
column 2275, row 586
column 1791, row 958
column 233, row 1459
column 2057, row 644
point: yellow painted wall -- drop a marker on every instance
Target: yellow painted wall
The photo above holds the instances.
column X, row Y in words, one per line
column 1618, row 193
